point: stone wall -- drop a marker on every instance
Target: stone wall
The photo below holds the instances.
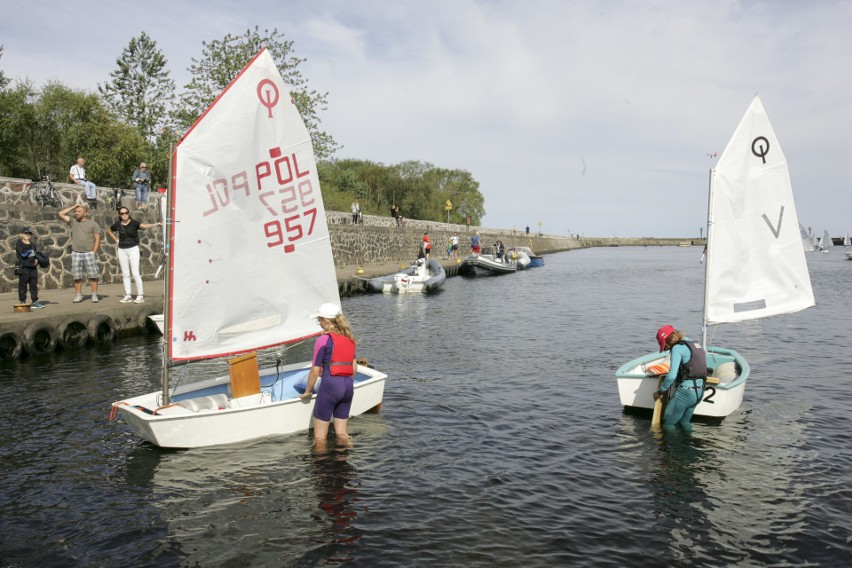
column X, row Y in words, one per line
column 53, row 236
column 377, row 240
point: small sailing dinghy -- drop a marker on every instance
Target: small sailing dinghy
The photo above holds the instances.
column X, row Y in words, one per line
column 755, row 264
column 249, row 261
column 807, row 241
column 825, row 242
column 424, row 275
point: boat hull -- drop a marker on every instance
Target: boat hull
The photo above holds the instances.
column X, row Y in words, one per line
column 157, row 320
column 277, row 410
column 486, row 265
column 636, row 388
column 413, row 280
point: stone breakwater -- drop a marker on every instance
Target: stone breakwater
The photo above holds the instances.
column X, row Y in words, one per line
column 378, row 240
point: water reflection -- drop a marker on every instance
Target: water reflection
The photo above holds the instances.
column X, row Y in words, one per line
column 714, row 497
column 336, row 485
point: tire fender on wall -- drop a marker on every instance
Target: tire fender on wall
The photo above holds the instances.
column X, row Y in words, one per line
column 73, row 335
column 40, row 338
column 101, row 329
column 11, row 345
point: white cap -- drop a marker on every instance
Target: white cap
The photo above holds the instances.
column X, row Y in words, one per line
column 327, row 311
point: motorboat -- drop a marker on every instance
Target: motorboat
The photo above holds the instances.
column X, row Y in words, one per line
column 487, row 264
column 424, row 275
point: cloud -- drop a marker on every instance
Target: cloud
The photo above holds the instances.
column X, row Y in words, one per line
column 587, row 115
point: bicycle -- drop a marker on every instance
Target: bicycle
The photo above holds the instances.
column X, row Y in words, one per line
column 43, row 194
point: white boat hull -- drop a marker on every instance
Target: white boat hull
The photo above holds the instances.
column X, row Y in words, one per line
column 157, row 319
column 277, row 410
column 486, row 265
column 636, row 388
column 423, row 276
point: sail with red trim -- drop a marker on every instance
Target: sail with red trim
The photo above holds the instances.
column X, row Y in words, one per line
column 250, row 250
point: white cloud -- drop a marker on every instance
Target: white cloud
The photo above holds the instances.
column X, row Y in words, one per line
column 593, row 116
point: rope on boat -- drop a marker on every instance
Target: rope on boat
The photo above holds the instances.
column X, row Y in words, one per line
column 114, row 412
column 159, row 408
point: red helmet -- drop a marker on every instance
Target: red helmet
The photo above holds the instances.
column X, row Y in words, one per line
column 662, row 334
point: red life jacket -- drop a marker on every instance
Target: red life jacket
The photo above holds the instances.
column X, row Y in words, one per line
column 342, row 355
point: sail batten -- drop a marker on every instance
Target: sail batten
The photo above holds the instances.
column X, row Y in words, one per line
column 756, row 266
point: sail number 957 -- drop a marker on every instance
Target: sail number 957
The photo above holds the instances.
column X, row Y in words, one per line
column 290, row 229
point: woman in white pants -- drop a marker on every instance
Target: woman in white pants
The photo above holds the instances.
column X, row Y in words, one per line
column 125, row 232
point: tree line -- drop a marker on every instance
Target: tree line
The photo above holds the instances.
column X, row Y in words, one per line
column 137, row 113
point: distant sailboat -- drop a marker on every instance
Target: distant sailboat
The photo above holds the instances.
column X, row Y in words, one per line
column 846, row 241
column 825, row 242
column 807, row 241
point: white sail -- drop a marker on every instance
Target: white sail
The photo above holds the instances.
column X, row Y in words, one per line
column 807, row 244
column 755, row 263
column 826, row 241
column 251, row 256
column 846, row 241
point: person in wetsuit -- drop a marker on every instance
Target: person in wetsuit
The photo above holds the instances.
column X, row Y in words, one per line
column 334, row 360
column 687, row 373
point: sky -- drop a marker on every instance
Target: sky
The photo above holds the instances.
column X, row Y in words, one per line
column 590, row 117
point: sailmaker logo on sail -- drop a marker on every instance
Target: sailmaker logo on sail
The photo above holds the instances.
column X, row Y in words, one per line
column 764, row 148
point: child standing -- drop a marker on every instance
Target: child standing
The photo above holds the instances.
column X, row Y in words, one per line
column 25, row 255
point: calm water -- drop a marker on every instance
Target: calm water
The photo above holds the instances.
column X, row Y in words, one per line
column 502, row 442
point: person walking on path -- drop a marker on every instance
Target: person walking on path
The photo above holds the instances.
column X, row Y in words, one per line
column 25, row 260
column 454, row 247
column 85, row 241
column 125, row 232
column 141, row 183
column 334, row 359
column 78, row 176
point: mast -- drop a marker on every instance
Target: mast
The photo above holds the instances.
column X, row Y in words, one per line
column 167, row 279
column 707, row 258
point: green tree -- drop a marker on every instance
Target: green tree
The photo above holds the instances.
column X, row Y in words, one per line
column 3, row 79
column 141, row 90
column 419, row 188
column 221, row 62
column 58, row 124
column 16, row 116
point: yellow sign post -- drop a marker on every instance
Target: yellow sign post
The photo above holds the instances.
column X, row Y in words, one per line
column 449, row 207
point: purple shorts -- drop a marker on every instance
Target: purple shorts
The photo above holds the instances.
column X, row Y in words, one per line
column 334, row 398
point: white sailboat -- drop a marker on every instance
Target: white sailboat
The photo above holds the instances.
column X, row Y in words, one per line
column 825, row 242
column 755, row 262
column 249, row 261
column 846, row 241
column 807, row 243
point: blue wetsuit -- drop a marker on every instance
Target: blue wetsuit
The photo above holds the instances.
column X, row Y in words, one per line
column 682, row 404
column 335, row 392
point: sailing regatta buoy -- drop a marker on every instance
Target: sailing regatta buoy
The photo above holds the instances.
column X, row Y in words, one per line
column 39, row 338
column 101, row 329
column 11, row 345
